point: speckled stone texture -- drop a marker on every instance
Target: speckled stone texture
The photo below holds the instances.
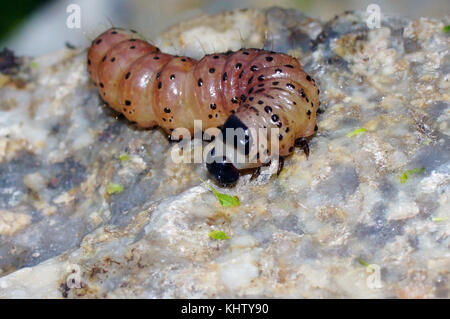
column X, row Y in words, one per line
column 309, row 232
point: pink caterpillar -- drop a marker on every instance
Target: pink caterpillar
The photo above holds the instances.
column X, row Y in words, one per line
column 249, row 88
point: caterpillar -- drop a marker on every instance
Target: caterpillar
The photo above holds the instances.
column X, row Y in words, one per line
column 249, row 88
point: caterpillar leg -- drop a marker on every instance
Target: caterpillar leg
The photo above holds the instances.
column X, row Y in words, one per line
column 280, row 165
column 303, row 144
column 256, row 173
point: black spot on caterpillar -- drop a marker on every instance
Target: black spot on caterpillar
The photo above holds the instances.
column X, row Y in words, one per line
column 146, row 85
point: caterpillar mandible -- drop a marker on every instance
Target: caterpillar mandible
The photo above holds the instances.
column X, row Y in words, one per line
column 249, row 88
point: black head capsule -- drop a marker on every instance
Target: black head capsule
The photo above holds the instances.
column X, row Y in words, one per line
column 240, row 131
column 221, row 170
column 302, row 142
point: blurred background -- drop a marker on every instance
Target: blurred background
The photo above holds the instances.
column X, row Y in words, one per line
column 35, row 27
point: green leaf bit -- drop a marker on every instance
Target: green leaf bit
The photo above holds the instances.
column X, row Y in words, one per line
column 365, row 264
column 356, row 132
column 439, row 219
column 114, row 189
column 218, row 235
column 224, row 199
column 404, row 177
column 447, row 28
column 124, row 157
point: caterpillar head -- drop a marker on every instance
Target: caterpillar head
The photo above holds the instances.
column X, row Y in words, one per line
column 222, row 170
column 225, row 166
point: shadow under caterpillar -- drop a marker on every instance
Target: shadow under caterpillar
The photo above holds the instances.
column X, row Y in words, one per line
column 249, row 88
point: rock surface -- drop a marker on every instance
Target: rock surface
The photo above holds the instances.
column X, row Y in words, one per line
column 359, row 199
